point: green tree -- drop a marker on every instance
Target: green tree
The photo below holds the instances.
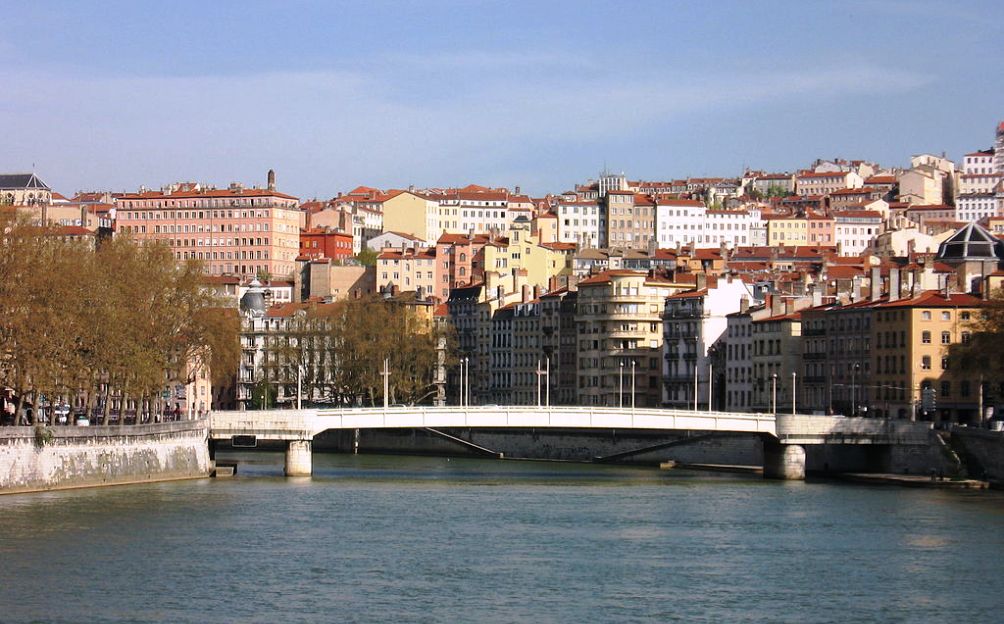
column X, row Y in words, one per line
column 367, row 257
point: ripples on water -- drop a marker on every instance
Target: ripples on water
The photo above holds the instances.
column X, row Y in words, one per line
column 391, row 539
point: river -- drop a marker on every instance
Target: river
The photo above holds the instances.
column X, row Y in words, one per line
column 405, row 539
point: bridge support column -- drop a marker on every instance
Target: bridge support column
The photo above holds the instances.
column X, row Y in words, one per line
column 298, row 459
column 783, row 461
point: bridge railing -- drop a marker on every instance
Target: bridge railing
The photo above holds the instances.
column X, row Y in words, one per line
column 519, row 416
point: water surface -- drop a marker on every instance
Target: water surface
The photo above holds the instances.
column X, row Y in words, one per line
column 383, row 539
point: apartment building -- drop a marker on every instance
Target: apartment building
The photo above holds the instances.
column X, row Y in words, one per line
column 694, row 322
column 234, row 230
column 619, row 321
column 630, row 220
column 824, row 183
column 913, row 347
column 582, row 222
column 855, row 230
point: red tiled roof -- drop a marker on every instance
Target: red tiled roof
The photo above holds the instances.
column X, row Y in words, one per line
column 935, row 299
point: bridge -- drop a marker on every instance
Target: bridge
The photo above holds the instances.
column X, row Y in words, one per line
column 784, row 435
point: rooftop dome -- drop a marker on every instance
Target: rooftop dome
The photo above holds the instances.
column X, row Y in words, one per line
column 972, row 242
column 253, row 301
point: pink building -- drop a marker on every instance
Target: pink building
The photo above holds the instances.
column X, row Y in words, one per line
column 234, row 230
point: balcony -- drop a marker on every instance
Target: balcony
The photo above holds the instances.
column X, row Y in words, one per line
column 814, row 332
column 816, row 355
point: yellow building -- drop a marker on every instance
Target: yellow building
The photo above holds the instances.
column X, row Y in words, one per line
column 524, row 255
column 911, row 347
column 411, row 213
column 788, row 231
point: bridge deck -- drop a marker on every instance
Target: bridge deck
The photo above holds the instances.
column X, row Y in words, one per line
column 788, row 429
column 304, row 424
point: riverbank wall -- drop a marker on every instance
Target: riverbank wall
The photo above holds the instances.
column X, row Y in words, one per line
column 983, row 452
column 53, row 458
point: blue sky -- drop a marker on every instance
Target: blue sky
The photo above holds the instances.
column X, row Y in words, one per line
column 111, row 95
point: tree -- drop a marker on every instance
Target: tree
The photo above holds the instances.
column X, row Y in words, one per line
column 116, row 324
column 366, row 257
column 365, row 332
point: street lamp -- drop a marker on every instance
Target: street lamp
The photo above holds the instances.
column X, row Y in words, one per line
column 711, row 383
column 620, row 386
column 793, row 392
column 773, row 395
column 632, row 384
column 854, row 389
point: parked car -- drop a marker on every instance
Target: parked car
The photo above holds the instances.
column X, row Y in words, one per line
column 83, row 421
column 61, row 413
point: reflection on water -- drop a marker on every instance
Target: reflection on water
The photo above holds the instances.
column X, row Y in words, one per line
column 378, row 539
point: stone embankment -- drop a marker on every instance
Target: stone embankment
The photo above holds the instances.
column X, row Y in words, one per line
column 51, row 458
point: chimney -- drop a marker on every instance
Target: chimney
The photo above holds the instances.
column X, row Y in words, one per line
column 789, row 305
column 271, row 179
column 536, row 291
column 817, row 295
column 876, row 283
column 744, row 304
column 525, row 293
column 702, row 281
column 776, row 305
column 894, row 284
column 501, row 294
column 856, row 288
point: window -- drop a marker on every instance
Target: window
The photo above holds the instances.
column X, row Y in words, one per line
column 925, row 337
column 946, row 388
column 925, row 315
column 946, row 338
column 946, row 315
column 925, row 362
column 944, row 363
column 966, row 337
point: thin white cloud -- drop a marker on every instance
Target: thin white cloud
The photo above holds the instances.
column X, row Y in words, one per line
column 330, row 128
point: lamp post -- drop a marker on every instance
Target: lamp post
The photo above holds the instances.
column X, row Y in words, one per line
column 773, row 394
column 695, row 387
column 632, row 385
column 793, row 391
column 854, row 389
column 620, row 386
column 547, row 382
column 299, row 384
column 711, row 384
column 386, row 382
column 465, row 381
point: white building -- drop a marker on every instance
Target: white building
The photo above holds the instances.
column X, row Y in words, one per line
column 679, row 221
column 474, row 211
column 693, row 322
column 730, row 227
column 854, row 230
column 580, row 222
column 978, row 185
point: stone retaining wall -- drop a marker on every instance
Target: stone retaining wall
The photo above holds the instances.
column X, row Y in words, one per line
column 68, row 457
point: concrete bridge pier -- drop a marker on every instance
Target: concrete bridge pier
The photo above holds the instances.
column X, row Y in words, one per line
column 298, row 458
column 783, row 461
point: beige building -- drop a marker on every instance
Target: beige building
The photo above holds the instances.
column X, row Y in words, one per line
column 827, row 182
column 411, row 213
column 620, row 337
column 630, row 220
